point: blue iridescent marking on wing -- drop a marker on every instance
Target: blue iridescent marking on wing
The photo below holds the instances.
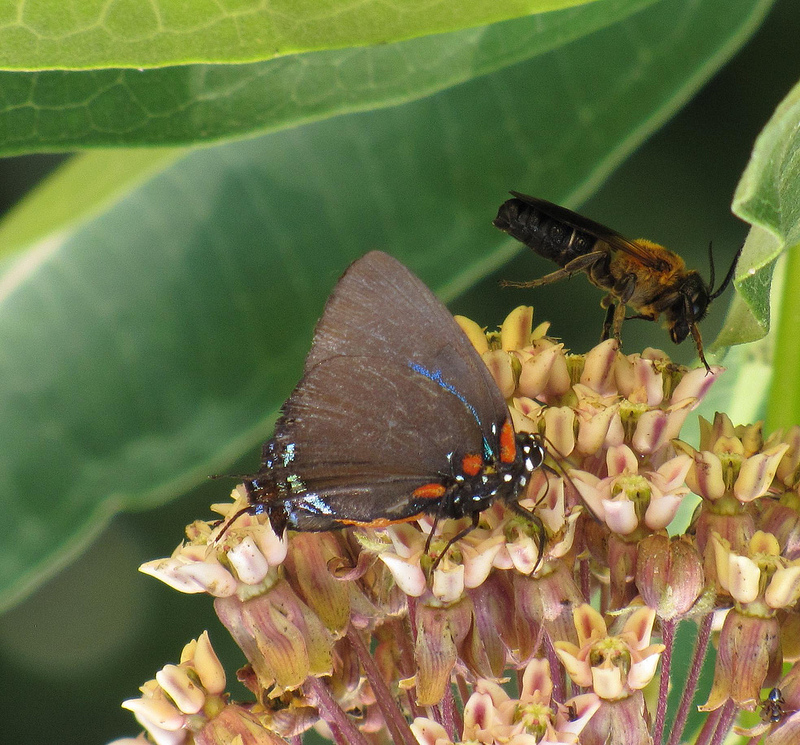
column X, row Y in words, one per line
column 437, row 378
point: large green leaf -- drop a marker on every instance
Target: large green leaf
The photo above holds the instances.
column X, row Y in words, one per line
column 58, row 110
column 150, row 336
column 768, row 197
column 52, row 34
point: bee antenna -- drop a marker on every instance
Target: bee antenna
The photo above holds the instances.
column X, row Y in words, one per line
column 711, row 262
column 728, row 277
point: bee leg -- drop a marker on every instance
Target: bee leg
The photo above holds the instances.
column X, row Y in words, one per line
column 615, row 315
column 578, row 264
column 698, row 340
column 610, row 306
column 639, row 317
column 625, row 288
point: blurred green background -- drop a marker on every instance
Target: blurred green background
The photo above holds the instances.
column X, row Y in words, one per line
column 79, row 645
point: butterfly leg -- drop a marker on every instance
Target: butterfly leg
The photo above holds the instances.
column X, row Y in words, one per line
column 476, row 516
column 541, row 533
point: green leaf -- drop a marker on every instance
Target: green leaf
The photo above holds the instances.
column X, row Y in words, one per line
column 151, row 331
column 85, row 188
column 58, row 110
column 42, row 34
column 768, row 196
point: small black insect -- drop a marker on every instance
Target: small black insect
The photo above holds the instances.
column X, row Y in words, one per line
column 772, row 707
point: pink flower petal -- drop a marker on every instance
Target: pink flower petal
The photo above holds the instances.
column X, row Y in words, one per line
column 639, row 626
column 598, row 369
column 743, row 578
column 408, row 574
column 607, row 682
column 661, row 511
column 621, row 459
column 784, row 587
column 448, row 582
column 757, row 472
column 620, row 515
column 642, row 672
column 695, row 384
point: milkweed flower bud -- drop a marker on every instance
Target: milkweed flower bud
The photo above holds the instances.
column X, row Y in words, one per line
column 669, row 575
column 183, row 698
column 281, row 637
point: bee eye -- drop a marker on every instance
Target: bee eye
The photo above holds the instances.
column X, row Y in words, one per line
column 699, row 305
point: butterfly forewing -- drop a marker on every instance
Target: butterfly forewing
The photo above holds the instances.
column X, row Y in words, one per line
column 379, row 308
column 372, row 419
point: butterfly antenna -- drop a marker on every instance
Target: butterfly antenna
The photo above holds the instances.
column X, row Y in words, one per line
column 551, row 448
column 566, row 475
column 231, row 520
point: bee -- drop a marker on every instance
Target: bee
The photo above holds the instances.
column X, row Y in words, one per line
column 639, row 274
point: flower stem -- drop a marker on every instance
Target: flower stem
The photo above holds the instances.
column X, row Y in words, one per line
column 585, row 579
column 727, row 717
column 332, row 713
column 668, row 637
column 700, row 647
column 392, row 715
column 452, row 719
column 709, row 727
column 557, row 676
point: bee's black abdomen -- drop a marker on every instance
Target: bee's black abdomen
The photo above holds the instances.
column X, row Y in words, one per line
column 551, row 238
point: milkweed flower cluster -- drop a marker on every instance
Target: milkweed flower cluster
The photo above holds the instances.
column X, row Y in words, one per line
column 517, row 632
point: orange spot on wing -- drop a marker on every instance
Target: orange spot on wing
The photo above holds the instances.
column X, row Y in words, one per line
column 429, row 491
column 381, row 522
column 508, row 445
column 471, row 464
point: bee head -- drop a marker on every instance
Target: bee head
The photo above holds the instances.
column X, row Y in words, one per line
column 690, row 306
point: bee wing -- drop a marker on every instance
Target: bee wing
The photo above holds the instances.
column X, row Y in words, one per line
column 644, row 254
